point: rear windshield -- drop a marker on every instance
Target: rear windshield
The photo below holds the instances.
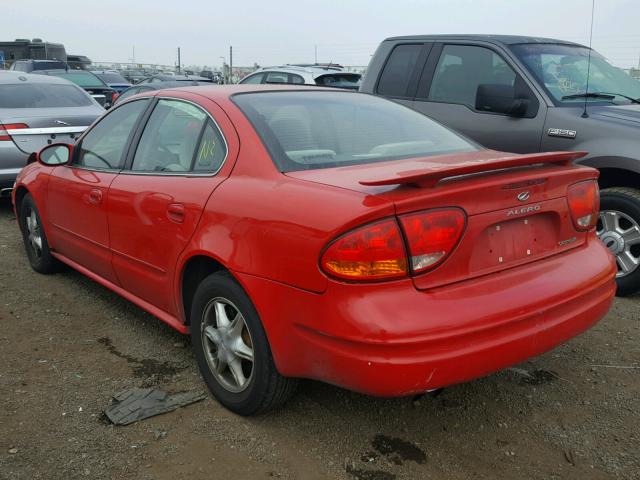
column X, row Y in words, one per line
column 112, row 78
column 340, row 80
column 42, row 95
column 84, row 79
column 309, row 130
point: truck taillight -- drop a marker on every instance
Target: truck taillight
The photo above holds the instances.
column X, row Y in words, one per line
column 584, row 204
column 432, row 235
column 4, row 134
column 373, row 252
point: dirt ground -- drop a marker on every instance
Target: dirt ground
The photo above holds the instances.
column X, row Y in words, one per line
column 67, row 345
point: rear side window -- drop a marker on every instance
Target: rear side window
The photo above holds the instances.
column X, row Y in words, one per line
column 42, row 95
column 179, row 137
column 396, row 74
column 276, row 77
column 309, row 130
column 253, row 79
column 104, row 146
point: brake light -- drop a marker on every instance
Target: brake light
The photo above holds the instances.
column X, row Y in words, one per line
column 114, row 97
column 584, row 204
column 372, row 252
column 4, row 135
column 432, row 236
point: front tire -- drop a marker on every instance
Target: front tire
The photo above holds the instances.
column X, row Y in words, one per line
column 34, row 238
column 232, row 349
column 619, row 229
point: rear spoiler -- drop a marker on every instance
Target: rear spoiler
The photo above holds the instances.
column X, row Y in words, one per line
column 434, row 172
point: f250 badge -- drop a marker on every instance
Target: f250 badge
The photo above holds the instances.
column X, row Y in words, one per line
column 523, row 210
column 561, row 132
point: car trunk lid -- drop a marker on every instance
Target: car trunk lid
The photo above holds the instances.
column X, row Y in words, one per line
column 516, row 205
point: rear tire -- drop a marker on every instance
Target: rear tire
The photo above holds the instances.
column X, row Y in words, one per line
column 619, row 229
column 34, row 238
column 232, row 349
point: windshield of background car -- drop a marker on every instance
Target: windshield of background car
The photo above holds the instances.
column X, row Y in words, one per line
column 562, row 69
column 339, row 80
column 83, row 79
column 309, row 130
column 112, row 78
column 42, row 95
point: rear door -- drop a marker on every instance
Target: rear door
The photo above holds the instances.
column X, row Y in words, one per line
column 77, row 193
column 156, row 202
column 447, row 93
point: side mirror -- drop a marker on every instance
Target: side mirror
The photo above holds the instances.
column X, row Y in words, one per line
column 56, row 154
column 501, row 99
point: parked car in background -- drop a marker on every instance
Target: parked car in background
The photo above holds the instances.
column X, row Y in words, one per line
column 305, row 75
column 215, row 77
column 29, row 66
column 524, row 94
column 325, row 234
column 134, row 75
column 79, row 62
column 148, row 87
column 35, row 111
column 163, row 77
column 99, row 90
column 113, row 79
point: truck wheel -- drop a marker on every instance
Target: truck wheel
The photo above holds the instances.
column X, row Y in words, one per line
column 619, row 229
column 232, row 349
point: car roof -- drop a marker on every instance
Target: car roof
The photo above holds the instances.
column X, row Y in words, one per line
column 12, row 76
column 224, row 92
column 314, row 70
column 503, row 39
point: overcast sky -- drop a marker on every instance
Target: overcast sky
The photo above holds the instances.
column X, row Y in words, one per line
column 271, row 32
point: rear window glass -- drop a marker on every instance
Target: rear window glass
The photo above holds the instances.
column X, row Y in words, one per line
column 111, row 78
column 42, row 95
column 340, row 80
column 84, row 79
column 310, row 130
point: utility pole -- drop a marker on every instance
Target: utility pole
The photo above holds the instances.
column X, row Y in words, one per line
column 231, row 64
column 315, row 53
column 178, row 59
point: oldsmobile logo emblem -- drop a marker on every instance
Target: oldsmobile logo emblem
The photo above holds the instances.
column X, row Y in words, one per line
column 523, row 196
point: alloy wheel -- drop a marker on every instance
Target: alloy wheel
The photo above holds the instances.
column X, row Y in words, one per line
column 227, row 344
column 621, row 235
column 34, row 233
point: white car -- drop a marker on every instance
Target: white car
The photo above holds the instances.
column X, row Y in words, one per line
column 323, row 75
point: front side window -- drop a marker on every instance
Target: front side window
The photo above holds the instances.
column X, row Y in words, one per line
column 179, row 137
column 309, row 130
column 104, row 146
column 462, row 69
column 562, row 69
column 397, row 72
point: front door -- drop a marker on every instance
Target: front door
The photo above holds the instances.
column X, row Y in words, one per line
column 447, row 93
column 77, row 193
column 156, row 203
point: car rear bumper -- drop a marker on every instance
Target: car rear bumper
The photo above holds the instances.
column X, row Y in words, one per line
column 390, row 339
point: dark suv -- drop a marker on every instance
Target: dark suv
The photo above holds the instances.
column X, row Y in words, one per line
column 524, row 94
column 29, row 66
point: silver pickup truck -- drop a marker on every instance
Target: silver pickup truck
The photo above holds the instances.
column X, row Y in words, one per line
column 525, row 94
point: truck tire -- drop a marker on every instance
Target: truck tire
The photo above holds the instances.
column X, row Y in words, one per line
column 619, row 229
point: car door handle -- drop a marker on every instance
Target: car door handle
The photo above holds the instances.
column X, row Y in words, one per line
column 175, row 212
column 95, row 196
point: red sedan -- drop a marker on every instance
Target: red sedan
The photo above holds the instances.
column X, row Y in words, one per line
column 322, row 234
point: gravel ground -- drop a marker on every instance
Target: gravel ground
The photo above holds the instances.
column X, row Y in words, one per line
column 67, row 345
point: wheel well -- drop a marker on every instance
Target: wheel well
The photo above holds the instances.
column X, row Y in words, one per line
column 20, row 194
column 197, row 269
column 618, row 177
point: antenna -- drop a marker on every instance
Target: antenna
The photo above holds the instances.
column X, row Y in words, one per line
column 584, row 111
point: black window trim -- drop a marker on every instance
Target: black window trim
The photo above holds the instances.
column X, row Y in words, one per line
column 424, row 87
column 78, row 145
column 142, row 124
column 412, row 86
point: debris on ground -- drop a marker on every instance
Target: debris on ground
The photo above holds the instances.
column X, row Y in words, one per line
column 135, row 404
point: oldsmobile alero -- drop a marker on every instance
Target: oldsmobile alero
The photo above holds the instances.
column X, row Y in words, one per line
column 314, row 233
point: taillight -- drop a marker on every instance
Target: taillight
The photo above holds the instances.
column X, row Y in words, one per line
column 584, row 204
column 114, row 97
column 4, row 135
column 372, row 252
column 432, row 236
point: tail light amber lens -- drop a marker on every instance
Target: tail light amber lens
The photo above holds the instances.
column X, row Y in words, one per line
column 372, row 252
column 584, row 204
column 432, row 236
